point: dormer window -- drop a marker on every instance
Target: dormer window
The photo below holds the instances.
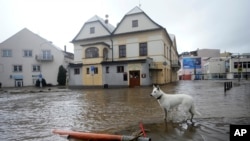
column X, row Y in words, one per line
column 134, row 23
column 92, row 30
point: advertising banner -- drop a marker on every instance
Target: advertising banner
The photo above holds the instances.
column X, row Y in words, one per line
column 191, row 63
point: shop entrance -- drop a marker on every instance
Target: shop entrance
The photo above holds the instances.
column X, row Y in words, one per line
column 18, row 82
column 134, row 78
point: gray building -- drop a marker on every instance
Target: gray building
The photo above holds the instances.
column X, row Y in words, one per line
column 119, row 73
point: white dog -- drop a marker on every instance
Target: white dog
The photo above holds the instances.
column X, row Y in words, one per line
column 171, row 101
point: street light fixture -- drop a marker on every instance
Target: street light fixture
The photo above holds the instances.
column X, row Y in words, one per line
column 238, row 64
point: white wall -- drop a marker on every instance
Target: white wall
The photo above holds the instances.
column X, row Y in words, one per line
column 215, row 67
column 26, row 40
column 143, row 24
column 99, row 31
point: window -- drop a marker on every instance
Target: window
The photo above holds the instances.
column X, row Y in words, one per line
column 120, row 69
column 105, row 54
column 134, row 23
column 76, row 71
column 125, row 77
column 34, row 80
column 95, row 70
column 107, row 69
column 92, row 52
column 92, row 30
column 6, row 53
column 35, row 68
column 143, row 49
column 92, row 70
column 17, row 68
column 27, row 53
column 235, row 65
column 244, row 65
column 87, row 70
column 47, row 54
column 122, row 51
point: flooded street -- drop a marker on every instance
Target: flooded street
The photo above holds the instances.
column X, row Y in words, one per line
column 32, row 116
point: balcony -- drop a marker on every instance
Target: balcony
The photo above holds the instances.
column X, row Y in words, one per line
column 155, row 66
column 175, row 64
column 44, row 58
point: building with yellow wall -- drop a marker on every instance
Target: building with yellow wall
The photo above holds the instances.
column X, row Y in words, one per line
column 136, row 52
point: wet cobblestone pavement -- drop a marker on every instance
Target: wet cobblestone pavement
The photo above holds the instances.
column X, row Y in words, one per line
column 32, row 116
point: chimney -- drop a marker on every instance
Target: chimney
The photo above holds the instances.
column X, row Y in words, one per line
column 106, row 20
column 65, row 48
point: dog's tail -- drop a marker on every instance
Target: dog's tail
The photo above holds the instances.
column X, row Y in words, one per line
column 194, row 111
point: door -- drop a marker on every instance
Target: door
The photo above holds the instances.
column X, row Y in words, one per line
column 134, row 78
column 18, row 82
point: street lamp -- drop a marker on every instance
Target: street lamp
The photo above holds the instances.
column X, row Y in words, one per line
column 238, row 66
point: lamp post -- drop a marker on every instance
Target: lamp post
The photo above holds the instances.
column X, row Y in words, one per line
column 40, row 75
column 194, row 65
column 238, row 65
column 246, row 70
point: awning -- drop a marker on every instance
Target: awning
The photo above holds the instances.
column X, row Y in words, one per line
column 17, row 76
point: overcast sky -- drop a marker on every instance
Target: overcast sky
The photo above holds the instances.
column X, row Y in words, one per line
column 210, row 24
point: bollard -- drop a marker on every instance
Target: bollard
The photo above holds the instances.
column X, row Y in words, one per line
column 97, row 137
column 228, row 85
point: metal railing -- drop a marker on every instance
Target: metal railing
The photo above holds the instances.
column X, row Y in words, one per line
column 42, row 57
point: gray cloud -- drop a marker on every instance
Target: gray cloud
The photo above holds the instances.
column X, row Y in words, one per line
column 218, row 24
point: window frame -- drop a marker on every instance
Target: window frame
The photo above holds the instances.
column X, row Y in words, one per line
column 46, row 54
column 107, row 69
column 91, row 30
column 122, row 51
column 92, row 52
column 6, row 53
column 27, row 53
column 17, row 68
column 87, row 70
column 135, row 23
column 76, row 71
column 36, row 68
column 120, row 69
column 143, row 49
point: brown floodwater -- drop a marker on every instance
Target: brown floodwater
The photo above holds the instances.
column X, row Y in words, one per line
column 32, row 116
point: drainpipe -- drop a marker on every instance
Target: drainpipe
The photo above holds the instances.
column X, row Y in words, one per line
column 170, row 53
column 112, row 50
column 112, row 58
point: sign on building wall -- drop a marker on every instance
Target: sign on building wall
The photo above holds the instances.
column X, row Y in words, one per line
column 191, row 63
column 134, row 66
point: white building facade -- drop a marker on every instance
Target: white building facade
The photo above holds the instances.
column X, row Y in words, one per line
column 238, row 66
column 26, row 56
column 228, row 66
column 215, row 68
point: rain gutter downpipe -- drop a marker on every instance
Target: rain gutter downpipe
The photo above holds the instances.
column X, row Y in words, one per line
column 112, row 58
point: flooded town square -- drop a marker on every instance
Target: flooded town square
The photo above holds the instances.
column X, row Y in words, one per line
column 33, row 115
